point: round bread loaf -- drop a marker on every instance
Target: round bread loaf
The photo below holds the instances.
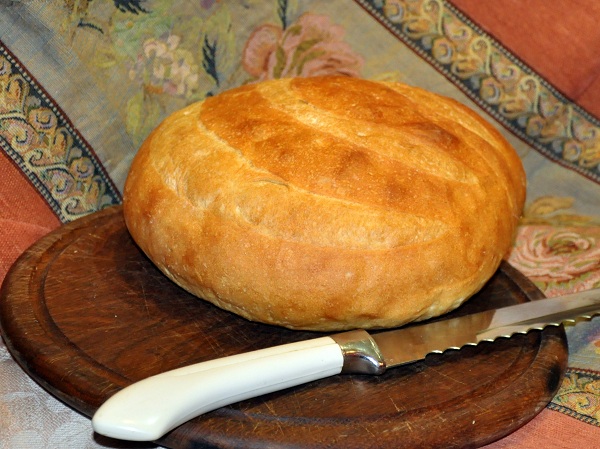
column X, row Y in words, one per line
column 326, row 203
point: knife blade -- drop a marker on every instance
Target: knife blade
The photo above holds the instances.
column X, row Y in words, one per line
column 148, row 409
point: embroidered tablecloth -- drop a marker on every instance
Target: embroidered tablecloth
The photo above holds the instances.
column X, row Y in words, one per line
column 83, row 82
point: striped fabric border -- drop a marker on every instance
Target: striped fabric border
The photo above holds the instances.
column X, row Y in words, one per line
column 578, row 396
column 501, row 84
column 38, row 136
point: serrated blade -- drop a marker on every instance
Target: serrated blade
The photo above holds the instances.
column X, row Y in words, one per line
column 406, row 345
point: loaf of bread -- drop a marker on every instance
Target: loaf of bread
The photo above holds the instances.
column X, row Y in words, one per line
column 326, row 203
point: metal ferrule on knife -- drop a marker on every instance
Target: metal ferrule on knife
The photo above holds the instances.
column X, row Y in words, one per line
column 361, row 353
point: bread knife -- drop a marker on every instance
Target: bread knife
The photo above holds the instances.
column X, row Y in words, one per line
column 148, row 409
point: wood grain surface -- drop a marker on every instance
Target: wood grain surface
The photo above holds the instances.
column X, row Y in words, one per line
column 85, row 314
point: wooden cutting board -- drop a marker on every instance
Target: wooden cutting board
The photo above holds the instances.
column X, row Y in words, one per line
column 86, row 314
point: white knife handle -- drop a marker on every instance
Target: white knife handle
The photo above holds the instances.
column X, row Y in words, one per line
column 148, row 409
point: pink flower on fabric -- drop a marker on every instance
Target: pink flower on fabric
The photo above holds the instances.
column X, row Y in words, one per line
column 312, row 46
column 553, row 255
column 163, row 67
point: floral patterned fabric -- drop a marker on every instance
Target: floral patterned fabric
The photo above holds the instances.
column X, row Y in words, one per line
column 83, row 82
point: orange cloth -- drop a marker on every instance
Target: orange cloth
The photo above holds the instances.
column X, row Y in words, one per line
column 24, row 215
column 559, row 39
column 550, row 430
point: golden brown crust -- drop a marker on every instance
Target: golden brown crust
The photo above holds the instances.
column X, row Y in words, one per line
column 326, row 203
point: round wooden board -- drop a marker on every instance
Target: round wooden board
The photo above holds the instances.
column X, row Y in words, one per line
column 85, row 313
